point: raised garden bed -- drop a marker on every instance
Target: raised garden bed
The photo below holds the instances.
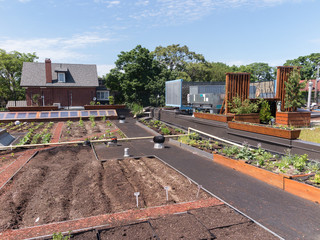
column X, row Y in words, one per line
column 297, row 119
column 84, row 187
column 161, row 127
column 250, row 117
column 288, row 172
column 266, row 129
column 96, row 107
column 215, row 117
column 30, row 132
column 33, row 108
column 79, row 130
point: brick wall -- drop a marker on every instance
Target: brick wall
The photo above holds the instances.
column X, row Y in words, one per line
column 64, row 96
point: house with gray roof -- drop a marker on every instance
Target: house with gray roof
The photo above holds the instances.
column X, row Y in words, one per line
column 60, row 83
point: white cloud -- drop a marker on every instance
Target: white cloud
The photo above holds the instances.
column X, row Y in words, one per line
column 24, row 1
column 58, row 49
column 180, row 11
column 103, row 69
column 108, row 4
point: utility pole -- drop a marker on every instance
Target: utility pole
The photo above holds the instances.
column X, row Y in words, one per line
column 316, row 85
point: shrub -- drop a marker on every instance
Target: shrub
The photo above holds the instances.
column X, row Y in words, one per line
column 242, row 107
column 265, row 113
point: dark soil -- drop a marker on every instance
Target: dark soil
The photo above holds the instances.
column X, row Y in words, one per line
column 243, row 231
column 181, row 226
column 67, row 183
column 85, row 236
column 131, row 232
column 227, row 216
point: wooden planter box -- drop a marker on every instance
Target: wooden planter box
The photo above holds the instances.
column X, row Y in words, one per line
column 276, row 132
column 297, row 119
column 33, row 108
column 97, row 107
column 251, row 117
column 278, row 180
column 215, row 117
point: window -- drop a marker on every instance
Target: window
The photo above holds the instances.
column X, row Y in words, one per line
column 61, row 77
column 102, row 95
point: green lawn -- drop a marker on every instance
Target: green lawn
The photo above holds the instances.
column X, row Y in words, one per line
column 311, row 135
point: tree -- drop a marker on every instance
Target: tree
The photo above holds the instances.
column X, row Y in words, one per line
column 259, row 71
column 176, row 57
column 138, row 77
column 293, row 96
column 308, row 64
column 10, row 74
column 206, row 72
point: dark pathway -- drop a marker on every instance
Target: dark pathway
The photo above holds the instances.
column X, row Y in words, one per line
column 287, row 215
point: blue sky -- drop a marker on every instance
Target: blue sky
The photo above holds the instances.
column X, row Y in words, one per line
column 96, row 31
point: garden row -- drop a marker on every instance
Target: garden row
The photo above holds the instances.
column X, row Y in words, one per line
column 92, row 129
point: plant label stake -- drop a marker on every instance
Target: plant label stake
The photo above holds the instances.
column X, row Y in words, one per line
column 199, row 187
column 37, row 220
column 137, row 198
column 167, row 189
column 126, row 152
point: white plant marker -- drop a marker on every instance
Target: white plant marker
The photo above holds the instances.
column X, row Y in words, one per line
column 199, row 187
column 37, row 220
column 167, row 195
column 126, row 152
column 137, row 198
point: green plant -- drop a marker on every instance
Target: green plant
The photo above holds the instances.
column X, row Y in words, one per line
column 300, row 162
column 92, row 103
column 316, row 178
column 111, row 100
column 238, row 106
column 92, row 118
column 293, row 94
column 245, row 153
column 165, row 130
column 136, row 109
column 35, row 99
column 265, row 113
column 59, row 236
column 103, row 118
column 109, row 124
column 81, row 124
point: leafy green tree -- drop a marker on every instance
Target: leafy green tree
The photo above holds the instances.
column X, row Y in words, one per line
column 175, row 57
column 138, row 78
column 259, row 71
column 10, row 74
column 206, row 72
column 308, row 64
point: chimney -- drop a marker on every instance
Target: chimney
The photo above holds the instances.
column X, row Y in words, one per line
column 48, row 70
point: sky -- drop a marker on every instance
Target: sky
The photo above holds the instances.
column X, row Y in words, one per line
column 235, row 32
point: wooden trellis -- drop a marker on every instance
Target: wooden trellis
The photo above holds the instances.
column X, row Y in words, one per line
column 237, row 85
column 283, row 74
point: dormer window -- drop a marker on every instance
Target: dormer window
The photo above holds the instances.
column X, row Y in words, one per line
column 61, row 77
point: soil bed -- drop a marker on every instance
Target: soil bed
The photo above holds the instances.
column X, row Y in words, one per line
column 216, row 222
column 100, row 129
column 161, row 127
column 84, row 187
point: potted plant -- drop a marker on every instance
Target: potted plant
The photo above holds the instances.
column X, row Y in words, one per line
column 245, row 111
column 293, row 100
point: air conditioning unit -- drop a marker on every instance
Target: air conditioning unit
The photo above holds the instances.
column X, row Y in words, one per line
column 58, row 105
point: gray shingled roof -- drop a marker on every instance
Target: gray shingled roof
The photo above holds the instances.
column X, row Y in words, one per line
column 77, row 75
